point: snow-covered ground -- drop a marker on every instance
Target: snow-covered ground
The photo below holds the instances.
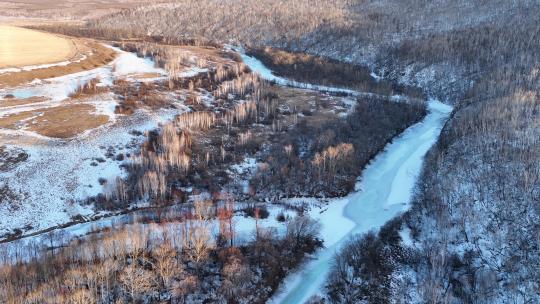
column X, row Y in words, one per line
column 55, row 91
column 47, row 188
column 245, row 227
column 58, row 174
column 384, row 192
column 130, row 64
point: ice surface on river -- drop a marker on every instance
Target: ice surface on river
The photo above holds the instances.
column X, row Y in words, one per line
column 384, row 192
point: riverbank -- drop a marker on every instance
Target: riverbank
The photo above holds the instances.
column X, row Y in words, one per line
column 384, row 192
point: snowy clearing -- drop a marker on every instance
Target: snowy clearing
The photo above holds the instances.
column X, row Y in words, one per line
column 57, row 90
column 48, row 186
column 59, row 173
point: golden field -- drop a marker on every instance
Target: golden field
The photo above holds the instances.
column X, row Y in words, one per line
column 23, row 47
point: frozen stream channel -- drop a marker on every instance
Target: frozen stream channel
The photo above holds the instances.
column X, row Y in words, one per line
column 384, row 191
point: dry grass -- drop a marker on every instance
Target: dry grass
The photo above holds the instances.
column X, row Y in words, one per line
column 23, row 47
column 100, row 55
column 19, row 102
column 57, row 122
column 319, row 109
column 15, row 121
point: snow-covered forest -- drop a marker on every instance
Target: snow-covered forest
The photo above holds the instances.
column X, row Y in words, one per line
column 337, row 151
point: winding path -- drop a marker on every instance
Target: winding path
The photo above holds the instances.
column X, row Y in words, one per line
column 384, row 192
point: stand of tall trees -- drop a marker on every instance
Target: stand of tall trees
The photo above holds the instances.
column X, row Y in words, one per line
column 326, row 159
column 177, row 261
